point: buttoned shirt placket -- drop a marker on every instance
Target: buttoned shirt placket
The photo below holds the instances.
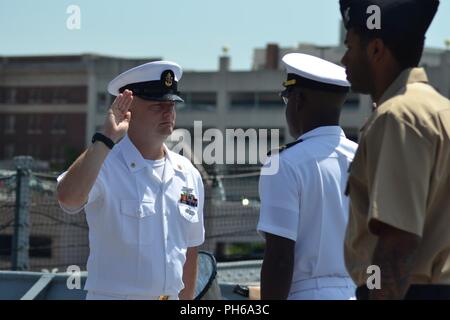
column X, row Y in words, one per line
column 164, row 222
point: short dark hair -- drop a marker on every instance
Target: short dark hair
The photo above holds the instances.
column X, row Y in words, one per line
column 407, row 50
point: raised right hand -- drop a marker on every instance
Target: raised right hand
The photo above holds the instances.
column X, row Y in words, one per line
column 118, row 118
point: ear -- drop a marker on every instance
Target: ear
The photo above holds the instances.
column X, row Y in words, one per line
column 376, row 50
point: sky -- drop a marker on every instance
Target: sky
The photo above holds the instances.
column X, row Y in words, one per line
column 190, row 32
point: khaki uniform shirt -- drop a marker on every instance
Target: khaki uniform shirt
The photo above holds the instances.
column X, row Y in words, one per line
column 401, row 176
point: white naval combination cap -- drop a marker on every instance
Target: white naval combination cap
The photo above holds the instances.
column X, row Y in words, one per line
column 314, row 73
column 156, row 81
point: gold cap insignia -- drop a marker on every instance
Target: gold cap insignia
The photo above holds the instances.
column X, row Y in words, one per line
column 168, row 80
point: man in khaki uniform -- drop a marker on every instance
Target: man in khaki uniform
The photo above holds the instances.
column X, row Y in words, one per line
column 399, row 183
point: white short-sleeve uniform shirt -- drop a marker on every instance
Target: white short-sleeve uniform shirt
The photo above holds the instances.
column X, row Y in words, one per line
column 139, row 230
column 305, row 201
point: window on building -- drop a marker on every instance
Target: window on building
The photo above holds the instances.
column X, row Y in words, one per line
column 58, row 154
column 34, row 150
column 242, row 100
column 44, row 95
column 70, row 95
column 35, row 95
column 34, row 124
column 5, row 245
column 75, row 95
column 40, row 246
column 8, row 151
column 352, row 101
column 30, row 150
column 10, row 123
column 102, row 102
column 201, row 101
column 58, row 124
column 11, row 96
column 56, row 97
column 269, row 100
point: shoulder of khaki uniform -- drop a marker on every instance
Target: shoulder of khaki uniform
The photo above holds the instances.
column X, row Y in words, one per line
column 284, row 147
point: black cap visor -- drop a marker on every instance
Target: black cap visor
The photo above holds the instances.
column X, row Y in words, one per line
column 166, row 97
column 154, row 91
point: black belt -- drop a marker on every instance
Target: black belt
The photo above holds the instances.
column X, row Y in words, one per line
column 415, row 292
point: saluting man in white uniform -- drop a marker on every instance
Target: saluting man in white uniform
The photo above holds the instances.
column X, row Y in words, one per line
column 304, row 211
column 143, row 203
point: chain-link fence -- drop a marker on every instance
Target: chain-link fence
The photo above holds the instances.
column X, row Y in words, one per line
column 57, row 240
column 231, row 215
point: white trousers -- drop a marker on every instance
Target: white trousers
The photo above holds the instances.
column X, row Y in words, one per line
column 323, row 288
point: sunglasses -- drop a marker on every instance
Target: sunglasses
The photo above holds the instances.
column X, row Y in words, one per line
column 285, row 94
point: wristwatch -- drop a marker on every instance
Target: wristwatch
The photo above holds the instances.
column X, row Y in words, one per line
column 101, row 137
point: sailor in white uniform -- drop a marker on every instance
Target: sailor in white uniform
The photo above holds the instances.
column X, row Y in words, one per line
column 304, row 211
column 143, row 203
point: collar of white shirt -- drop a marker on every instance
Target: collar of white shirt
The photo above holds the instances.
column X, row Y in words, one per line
column 136, row 162
column 323, row 131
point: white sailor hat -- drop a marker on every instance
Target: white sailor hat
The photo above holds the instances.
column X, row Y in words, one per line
column 314, row 73
column 155, row 81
